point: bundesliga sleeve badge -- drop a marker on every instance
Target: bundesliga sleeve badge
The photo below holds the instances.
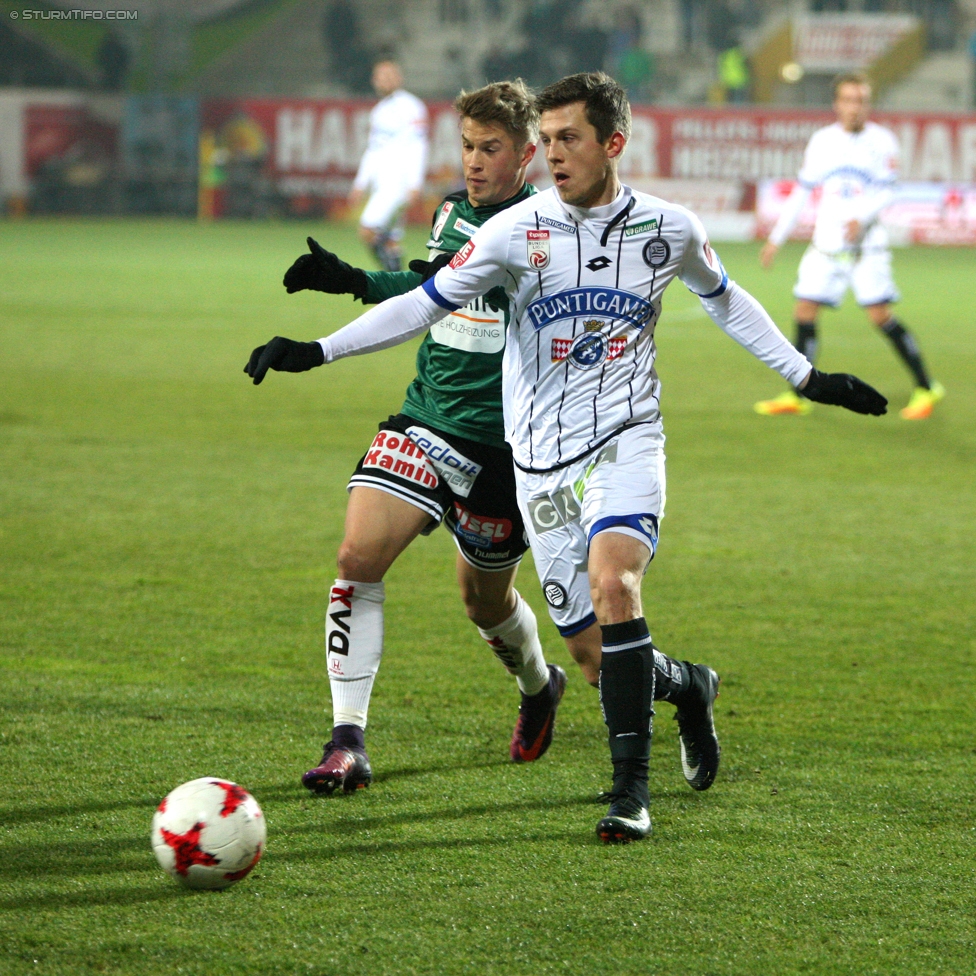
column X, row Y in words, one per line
column 537, row 245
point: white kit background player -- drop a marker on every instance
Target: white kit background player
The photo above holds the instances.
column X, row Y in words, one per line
column 585, row 265
column 392, row 168
column 854, row 162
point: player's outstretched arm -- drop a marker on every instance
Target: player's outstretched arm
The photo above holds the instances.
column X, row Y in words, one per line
column 321, row 270
column 403, row 317
column 843, row 390
column 387, row 324
column 740, row 316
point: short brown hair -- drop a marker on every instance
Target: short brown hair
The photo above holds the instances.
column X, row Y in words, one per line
column 505, row 103
column 607, row 108
column 851, row 78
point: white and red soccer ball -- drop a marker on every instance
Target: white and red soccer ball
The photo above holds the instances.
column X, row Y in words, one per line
column 208, row 833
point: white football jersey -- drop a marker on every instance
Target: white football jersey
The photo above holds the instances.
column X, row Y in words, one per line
column 856, row 172
column 586, row 289
column 397, row 148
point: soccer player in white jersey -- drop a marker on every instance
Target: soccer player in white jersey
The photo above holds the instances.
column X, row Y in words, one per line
column 585, row 265
column 854, row 162
column 392, row 168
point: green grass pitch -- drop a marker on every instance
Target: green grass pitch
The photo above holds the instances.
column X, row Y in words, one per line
column 167, row 536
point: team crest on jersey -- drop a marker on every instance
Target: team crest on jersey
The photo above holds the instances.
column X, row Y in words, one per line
column 441, row 220
column 588, row 350
column 537, row 245
column 656, row 253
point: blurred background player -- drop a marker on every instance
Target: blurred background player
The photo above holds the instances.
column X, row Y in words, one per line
column 443, row 458
column 392, row 168
column 855, row 163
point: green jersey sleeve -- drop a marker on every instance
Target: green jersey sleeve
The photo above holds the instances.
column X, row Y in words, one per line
column 381, row 285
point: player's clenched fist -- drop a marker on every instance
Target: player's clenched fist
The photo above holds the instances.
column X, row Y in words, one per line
column 843, row 390
column 285, row 355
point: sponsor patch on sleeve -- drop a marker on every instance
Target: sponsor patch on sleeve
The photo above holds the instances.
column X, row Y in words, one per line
column 441, row 220
column 466, row 251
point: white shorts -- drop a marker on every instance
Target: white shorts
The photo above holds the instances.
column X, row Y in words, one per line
column 384, row 206
column 620, row 487
column 824, row 278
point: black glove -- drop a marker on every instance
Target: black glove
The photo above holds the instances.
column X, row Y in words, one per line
column 324, row 271
column 429, row 268
column 285, row 355
column 844, row 390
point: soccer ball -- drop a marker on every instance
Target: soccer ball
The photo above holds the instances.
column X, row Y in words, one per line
column 208, row 833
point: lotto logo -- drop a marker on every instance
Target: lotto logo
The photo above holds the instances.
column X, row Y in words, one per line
column 462, row 255
column 396, row 453
column 561, row 348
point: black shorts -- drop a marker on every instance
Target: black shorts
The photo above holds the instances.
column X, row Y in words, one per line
column 467, row 485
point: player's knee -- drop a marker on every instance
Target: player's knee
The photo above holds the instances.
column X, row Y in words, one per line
column 360, row 563
column 615, row 594
column 485, row 609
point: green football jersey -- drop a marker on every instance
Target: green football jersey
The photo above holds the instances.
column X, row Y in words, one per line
column 458, row 387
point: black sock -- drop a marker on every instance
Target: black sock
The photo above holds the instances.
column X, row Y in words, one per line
column 907, row 348
column 627, row 698
column 806, row 339
column 348, row 736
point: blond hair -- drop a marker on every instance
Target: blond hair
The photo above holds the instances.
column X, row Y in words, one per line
column 506, row 103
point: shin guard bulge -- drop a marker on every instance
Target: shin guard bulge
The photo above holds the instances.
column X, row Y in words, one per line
column 627, row 693
column 516, row 644
column 354, row 646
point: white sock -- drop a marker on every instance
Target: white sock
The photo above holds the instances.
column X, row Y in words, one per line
column 516, row 644
column 353, row 647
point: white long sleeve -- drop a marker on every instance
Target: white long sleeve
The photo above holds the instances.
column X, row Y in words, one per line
column 388, row 324
column 791, row 211
column 740, row 316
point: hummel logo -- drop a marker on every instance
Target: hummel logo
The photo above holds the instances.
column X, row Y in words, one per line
column 598, row 264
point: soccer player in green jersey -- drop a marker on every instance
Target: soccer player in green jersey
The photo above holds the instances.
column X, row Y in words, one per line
column 443, row 458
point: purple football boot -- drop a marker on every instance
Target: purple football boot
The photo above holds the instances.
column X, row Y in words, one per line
column 344, row 763
column 537, row 719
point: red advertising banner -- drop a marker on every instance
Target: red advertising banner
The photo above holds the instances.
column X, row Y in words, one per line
column 55, row 133
column 307, row 151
